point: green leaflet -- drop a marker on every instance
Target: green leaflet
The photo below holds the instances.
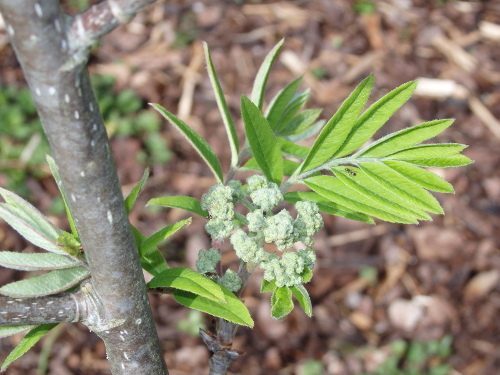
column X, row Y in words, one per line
column 223, row 108
column 293, row 149
column 233, row 310
column 199, row 144
column 411, row 193
column 357, row 180
column 162, row 235
column 427, row 151
column 442, row 162
column 313, row 129
column 298, row 101
column 35, row 261
column 264, row 145
column 328, row 207
column 6, row 331
column 281, row 303
column 336, row 191
column 303, row 297
column 405, row 138
column 267, row 286
column 29, row 222
column 132, row 197
column 278, row 105
column 185, row 203
column 190, row 281
column 376, row 116
column 301, row 122
column 55, row 173
column 422, row 177
column 54, row 282
column 339, row 127
column 31, row 338
column 151, row 260
column 259, row 84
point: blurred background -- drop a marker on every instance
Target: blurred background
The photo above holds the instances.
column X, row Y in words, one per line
column 388, row 299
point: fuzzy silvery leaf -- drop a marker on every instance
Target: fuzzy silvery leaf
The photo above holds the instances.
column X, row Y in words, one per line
column 6, row 331
column 55, row 173
column 54, row 282
column 223, row 108
column 260, row 82
column 132, row 197
column 200, row 145
column 35, row 261
column 29, row 222
column 264, row 145
column 233, row 310
column 190, row 281
column 31, row 338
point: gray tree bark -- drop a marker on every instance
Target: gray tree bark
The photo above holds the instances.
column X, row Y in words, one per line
column 52, row 49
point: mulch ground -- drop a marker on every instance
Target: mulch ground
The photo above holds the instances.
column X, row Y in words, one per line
column 372, row 284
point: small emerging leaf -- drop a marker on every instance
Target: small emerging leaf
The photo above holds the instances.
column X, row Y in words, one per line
column 190, row 281
column 281, row 303
column 69, row 244
column 162, row 235
column 132, row 197
column 233, row 310
column 303, row 297
column 151, row 260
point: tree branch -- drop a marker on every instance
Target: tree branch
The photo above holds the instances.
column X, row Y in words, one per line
column 62, row 308
column 75, row 130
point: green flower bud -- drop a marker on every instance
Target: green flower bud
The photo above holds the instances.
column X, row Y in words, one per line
column 256, row 221
column 246, row 248
column 279, row 229
column 207, row 260
column 231, row 281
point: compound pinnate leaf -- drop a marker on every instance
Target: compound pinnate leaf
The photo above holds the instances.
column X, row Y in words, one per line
column 302, row 296
column 265, row 147
column 223, row 108
column 185, row 203
column 405, row 138
column 31, row 338
column 132, row 197
column 54, row 282
column 199, row 144
column 420, row 176
column 375, row 116
column 259, row 85
column 29, row 222
column 233, row 310
column 190, row 281
column 35, row 261
column 338, row 128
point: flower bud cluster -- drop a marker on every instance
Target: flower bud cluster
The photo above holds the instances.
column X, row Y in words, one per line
column 288, row 270
column 219, row 202
column 231, row 281
column 264, row 194
column 207, row 260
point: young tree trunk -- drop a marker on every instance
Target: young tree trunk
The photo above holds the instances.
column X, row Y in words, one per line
column 53, row 50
